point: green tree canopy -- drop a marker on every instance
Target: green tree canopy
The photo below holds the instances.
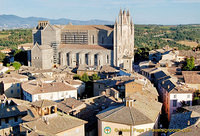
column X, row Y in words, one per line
column 2, row 56
column 16, row 65
column 85, row 77
column 95, row 77
column 189, row 64
column 76, row 76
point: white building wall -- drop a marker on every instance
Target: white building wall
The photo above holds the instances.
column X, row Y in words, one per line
column 179, row 97
column 55, row 96
column 127, row 130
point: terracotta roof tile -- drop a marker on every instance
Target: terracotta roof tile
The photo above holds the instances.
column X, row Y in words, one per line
column 36, row 87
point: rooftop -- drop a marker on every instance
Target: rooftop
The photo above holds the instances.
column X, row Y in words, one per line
column 87, row 27
column 43, row 103
column 84, row 46
column 69, row 104
column 56, row 124
column 36, row 87
column 142, row 112
column 191, row 77
column 182, row 120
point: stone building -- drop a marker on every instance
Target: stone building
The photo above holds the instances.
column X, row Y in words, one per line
column 89, row 45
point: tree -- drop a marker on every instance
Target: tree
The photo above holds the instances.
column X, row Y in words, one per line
column 85, row 78
column 189, row 64
column 16, row 65
column 76, row 76
column 95, row 77
column 21, row 56
column 2, row 56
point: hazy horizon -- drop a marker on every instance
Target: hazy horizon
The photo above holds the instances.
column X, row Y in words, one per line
column 159, row 12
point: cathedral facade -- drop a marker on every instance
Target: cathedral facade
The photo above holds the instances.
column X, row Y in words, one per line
column 88, row 45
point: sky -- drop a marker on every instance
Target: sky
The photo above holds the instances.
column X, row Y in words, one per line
column 164, row 12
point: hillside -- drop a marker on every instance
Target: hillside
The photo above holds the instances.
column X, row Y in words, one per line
column 146, row 36
column 158, row 36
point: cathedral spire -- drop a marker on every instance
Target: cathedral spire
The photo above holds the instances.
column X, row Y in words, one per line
column 120, row 12
column 116, row 21
column 124, row 12
column 128, row 14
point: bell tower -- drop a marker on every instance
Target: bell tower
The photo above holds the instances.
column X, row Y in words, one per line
column 124, row 41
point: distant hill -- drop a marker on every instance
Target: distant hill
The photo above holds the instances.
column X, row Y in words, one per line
column 12, row 21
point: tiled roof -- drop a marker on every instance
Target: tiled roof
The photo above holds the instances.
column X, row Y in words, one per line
column 124, row 115
column 87, row 27
column 15, row 75
column 36, row 87
column 55, row 125
column 193, row 130
column 43, row 103
column 11, row 111
column 182, row 120
column 42, row 71
column 160, row 74
column 9, row 80
column 73, row 82
column 45, row 47
column 191, row 77
column 84, row 46
column 68, row 104
column 194, row 109
column 142, row 112
column 107, row 69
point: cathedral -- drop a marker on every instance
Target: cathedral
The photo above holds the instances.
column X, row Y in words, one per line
column 88, row 45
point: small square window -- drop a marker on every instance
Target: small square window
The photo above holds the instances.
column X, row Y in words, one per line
column 175, row 96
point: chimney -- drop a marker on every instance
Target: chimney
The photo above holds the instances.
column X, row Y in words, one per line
column 129, row 102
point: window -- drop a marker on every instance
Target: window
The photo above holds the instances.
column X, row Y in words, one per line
column 120, row 133
column 99, row 86
column 174, row 103
column 6, row 120
column 175, row 96
column 16, row 119
column 107, row 59
column 18, row 84
column 18, row 90
column 102, row 40
column 11, row 91
column 93, row 39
